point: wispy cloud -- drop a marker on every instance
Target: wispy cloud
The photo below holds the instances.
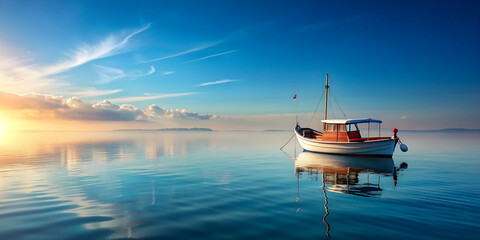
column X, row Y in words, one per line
column 144, row 98
column 195, row 49
column 19, row 75
column 86, row 53
column 216, row 82
column 88, row 92
column 168, row 72
column 109, row 74
column 210, row 56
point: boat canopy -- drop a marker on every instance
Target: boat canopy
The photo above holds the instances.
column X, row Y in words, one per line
column 350, row 121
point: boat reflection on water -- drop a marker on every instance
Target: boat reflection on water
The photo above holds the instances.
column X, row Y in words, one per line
column 343, row 172
column 353, row 175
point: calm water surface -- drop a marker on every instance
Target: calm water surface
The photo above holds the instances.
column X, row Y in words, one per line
column 233, row 186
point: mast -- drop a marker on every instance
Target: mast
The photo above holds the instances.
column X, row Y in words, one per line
column 326, row 99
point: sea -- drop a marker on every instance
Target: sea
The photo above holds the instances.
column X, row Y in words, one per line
column 234, row 185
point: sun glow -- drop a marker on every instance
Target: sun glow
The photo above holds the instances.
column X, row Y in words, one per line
column 3, row 129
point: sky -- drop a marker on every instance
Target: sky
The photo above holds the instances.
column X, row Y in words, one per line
column 235, row 65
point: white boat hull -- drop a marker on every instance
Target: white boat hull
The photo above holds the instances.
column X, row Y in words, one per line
column 319, row 161
column 379, row 148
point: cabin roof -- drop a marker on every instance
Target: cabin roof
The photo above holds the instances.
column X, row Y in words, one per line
column 349, row 121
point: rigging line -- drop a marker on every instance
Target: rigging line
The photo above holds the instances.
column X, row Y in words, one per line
column 338, row 104
column 332, row 110
column 316, row 109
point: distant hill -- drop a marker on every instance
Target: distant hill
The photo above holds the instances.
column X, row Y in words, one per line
column 445, row 130
column 276, row 130
column 169, row 130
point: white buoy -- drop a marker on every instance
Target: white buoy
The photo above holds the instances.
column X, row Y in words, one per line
column 403, row 147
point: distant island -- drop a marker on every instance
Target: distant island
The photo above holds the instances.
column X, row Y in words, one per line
column 276, row 130
column 169, row 130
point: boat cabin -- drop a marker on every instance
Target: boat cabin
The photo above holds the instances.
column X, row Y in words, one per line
column 342, row 130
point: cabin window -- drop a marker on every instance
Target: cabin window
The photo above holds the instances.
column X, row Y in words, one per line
column 331, row 128
column 341, row 128
column 352, row 127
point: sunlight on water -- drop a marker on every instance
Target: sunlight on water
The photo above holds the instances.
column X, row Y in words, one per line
column 233, row 185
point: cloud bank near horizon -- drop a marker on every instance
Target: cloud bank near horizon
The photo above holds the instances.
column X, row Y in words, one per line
column 44, row 106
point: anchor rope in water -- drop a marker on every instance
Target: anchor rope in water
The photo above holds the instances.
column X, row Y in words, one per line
column 287, row 142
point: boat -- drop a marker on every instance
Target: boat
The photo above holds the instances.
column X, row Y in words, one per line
column 342, row 136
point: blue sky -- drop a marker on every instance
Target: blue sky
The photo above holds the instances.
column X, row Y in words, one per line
column 386, row 59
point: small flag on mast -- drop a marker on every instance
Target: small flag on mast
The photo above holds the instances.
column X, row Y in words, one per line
column 295, row 97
